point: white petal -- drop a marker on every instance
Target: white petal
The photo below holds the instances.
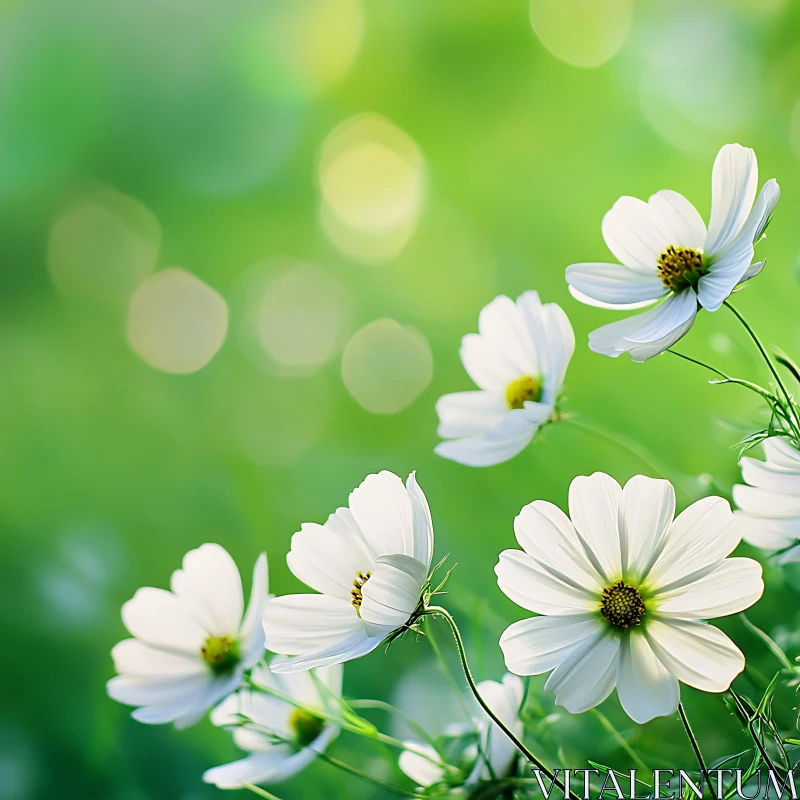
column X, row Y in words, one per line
column 132, row 657
column 393, row 591
column 382, row 508
column 423, row 523
column 762, row 210
column 650, row 333
column 509, row 437
column 220, row 687
column 505, row 700
column 635, row 234
column 731, row 587
column 780, row 453
column 144, row 691
column 645, row 687
column 160, row 618
column 700, row 537
column 558, row 346
column 680, row 218
column 489, row 368
column 357, row 644
column 646, row 512
column 327, row 557
column 296, row 624
column 589, row 301
column 546, row 534
column 613, row 286
column 769, row 534
column 209, row 585
column 254, row 769
column 587, row 675
column 594, row 510
column 767, row 504
column 696, row 653
column 538, row 644
column 469, row 413
column 734, row 182
column 503, row 325
column 770, row 477
column 753, row 270
column 725, row 273
column 522, row 580
column 252, row 631
column 422, row 764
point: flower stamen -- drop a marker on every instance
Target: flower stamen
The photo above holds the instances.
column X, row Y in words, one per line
column 523, row 389
column 680, row 267
column 358, row 585
column 306, row 727
column 622, row 605
column 221, row 653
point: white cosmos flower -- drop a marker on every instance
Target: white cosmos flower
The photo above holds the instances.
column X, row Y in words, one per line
column 770, row 506
column 369, row 562
column 192, row 644
column 623, row 591
column 665, row 251
column 423, row 764
column 518, row 360
column 271, row 760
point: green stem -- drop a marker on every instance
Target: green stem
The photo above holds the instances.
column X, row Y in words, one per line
column 334, row 762
column 518, row 743
column 260, row 792
column 768, row 360
column 627, row 445
column 380, row 705
column 695, row 745
column 619, row 739
column 769, row 642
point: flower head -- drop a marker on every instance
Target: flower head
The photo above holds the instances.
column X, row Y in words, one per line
column 281, row 738
column 369, row 563
column 623, row 590
column 666, row 252
column 422, row 763
column 192, row 644
column 769, row 507
column 518, row 360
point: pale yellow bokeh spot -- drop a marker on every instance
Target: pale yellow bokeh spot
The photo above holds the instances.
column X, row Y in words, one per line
column 386, row 366
column 176, row 323
column 584, row 33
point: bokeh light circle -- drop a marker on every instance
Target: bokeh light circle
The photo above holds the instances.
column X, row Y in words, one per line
column 386, row 366
column 584, row 33
column 176, row 323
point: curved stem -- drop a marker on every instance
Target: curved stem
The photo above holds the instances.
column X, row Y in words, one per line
column 619, row 739
column 380, row 705
column 626, row 445
column 753, row 387
column 769, row 363
column 260, row 792
column 695, row 745
column 334, row 762
column 518, row 743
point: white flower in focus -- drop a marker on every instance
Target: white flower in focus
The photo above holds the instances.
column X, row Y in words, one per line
column 770, row 506
column 369, row 562
column 192, row 644
column 623, row 591
column 282, row 739
column 665, row 251
column 518, row 360
column 423, row 764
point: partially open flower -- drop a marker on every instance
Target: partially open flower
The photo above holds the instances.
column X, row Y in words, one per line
column 666, row 252
column 369, row 562
column 192, row 644
column 281, row 738
column 770, row 505
column 518, row 360
column 623, row 591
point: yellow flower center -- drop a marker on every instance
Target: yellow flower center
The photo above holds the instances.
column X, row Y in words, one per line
column 305, row 726
column 680, row 267
column 358, row 585
column 221, row 653
column 622, row 605
column 525, row 388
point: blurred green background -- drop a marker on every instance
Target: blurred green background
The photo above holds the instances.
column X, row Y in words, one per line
column 336, row 188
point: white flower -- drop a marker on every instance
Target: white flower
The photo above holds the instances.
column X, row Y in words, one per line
column 518, row 360
column 369, row 562
column 623, row 591
column 192, row 644
column 423, row 764
column 304, row 735
column 665, row 250
column 770, row 505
